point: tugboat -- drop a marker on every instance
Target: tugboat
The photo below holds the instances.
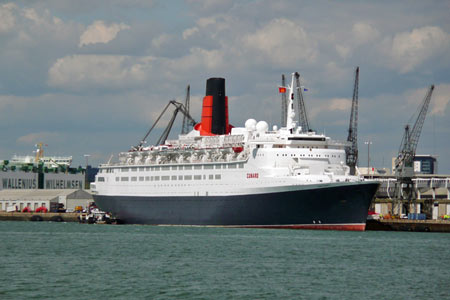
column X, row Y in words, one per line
column 221, row 175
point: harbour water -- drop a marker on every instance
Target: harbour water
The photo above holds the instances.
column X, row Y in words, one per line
column 44, row 260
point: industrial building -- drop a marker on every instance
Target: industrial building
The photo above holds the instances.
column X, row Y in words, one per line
column 18, row 199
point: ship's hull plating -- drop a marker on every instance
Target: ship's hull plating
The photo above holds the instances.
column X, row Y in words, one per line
column 330, row 206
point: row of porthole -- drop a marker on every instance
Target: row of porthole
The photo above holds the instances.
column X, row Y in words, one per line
column 166, row 178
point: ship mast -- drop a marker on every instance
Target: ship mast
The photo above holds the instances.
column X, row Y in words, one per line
column 290, row 115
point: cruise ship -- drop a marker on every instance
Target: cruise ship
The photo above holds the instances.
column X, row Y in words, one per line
column 252, row 177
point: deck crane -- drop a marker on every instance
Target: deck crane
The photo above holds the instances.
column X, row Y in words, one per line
column 404, row 163
column 351, row 151
column 185, row 127
column 283, row 102
column 302, row 117
column 179, row 107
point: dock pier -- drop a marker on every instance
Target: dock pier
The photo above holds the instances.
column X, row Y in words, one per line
column 33, row 216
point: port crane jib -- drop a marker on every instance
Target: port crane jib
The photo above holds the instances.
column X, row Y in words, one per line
column 404, row 163
column 352, row 150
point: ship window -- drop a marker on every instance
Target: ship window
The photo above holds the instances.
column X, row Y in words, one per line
column 187, row 177
column 174, row 177
column 232, row 166
column 208, row 167
column 100, row 179
column 188, row 167
column 141, row 178
column 147, row 178
column 117, row 178
column 211, row 176
column 156, row 178
column 134, row 178
column 165, row 168
column 174, row 168
column 197, row 167
column 124, row 179
column 141, row 169
column 218, row 166
column 180, row 177
column 197, row 177
column 218, row 176
column 241, row 166
column 156, row 168
column 133, row 169
column 124, row 169
column 147, row 168
column 165, row 177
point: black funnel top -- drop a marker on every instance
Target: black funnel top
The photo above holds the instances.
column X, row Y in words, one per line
column 216, row 87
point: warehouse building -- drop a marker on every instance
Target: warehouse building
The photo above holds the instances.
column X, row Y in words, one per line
column 17, row 200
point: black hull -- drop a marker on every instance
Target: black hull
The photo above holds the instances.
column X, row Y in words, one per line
column 329, row 206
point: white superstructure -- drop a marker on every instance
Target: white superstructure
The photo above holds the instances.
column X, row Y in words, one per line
column 251, row 159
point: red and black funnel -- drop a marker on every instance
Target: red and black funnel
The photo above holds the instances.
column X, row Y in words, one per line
column 215, row 109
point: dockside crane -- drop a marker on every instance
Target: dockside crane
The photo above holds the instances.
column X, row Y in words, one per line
column 302, row 116
column 179, row 107
column 283, row 101
column 186, row 124
column 351, row 151
column 404, row 163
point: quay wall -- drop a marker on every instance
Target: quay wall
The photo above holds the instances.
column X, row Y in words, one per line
column 33, row 216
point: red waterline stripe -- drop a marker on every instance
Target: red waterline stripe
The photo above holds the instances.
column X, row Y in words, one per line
column 346, row 227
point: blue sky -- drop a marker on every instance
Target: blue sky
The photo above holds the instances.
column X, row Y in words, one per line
column 90, row 77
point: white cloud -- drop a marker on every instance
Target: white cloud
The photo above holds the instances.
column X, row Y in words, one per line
column 363, row 33
column 197, row 59
column 343, row 51
column 93, row 71
column 207, row 21
column 335, row 72
column 32, row 15
column 340, row 104
column 188, row 32
column 283, row 42
column 99, row 32
column 7, row 19
column 440, row 99
column 161, row 40
column 329, row 105
column 410, row 49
